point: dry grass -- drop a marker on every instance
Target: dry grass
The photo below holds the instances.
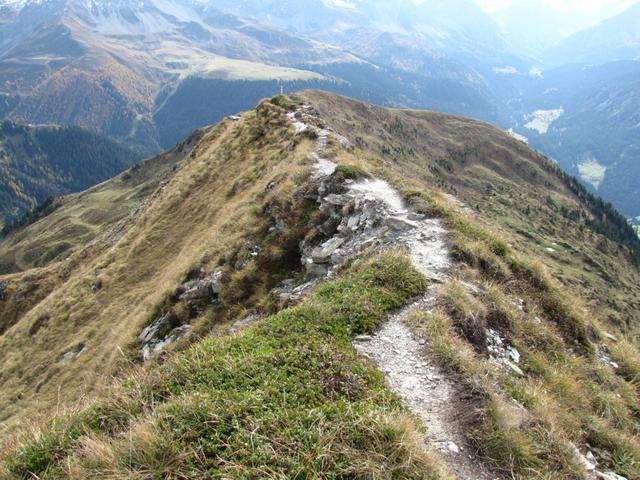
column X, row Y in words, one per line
column 191, row 219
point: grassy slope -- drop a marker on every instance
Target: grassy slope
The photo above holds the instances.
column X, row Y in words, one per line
column 289, row 398
column 567, row 393
column 204, row 212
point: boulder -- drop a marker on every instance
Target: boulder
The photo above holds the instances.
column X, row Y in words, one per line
column 609, row 476
column 336, row 200
column 159, row 329
column 400, row 224
column 157, row 346
column 353, row 222
column 207, row 289
column 323, row 253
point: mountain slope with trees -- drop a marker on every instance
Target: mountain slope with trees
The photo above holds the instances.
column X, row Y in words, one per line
column 39, row 162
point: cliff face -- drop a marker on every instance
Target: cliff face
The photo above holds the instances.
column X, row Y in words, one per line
column 249, row 301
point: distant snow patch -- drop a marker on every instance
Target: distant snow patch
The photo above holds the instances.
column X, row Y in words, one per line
column 591, row 171
column 507, row 70
column 541, row 120
column 536, row 72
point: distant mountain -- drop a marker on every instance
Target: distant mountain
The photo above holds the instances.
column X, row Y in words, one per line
column 617, row 38
column 109, row 66
column 37, row 162
column 150, row 71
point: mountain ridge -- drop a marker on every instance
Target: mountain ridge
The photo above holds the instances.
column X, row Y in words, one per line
column 221, row 275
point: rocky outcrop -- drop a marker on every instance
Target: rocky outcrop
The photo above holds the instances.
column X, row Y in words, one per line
column 201, row 291
column 161, row 333
column 502, row 353
column 206, row 290
column 73, row 354
column 22, row 292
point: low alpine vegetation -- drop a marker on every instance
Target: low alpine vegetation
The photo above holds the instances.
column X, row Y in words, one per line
column 287, row 398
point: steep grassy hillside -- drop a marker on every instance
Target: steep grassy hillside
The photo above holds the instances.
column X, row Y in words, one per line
column 262, row 381
column 37, row 162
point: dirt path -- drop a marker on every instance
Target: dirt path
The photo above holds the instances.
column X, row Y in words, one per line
column 412, row 372
column 410, row 366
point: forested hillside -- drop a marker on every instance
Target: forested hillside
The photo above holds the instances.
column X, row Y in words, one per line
column 38, row 162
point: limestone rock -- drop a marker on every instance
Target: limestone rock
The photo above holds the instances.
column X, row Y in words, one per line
column 159, row 329
column 207, row 289
column 400, row 224
column 157, row 346
column 74, row 353
column 609, row 476
column 323, row 253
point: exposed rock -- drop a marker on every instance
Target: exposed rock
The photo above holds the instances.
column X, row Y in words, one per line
column 609, row 476
column 588, row 462
column 207, row 289
column 159, row 329
column 95, row 286
column 400, row 223
column 336, row 200
column 363, row 339
column 74, row 353
column 323, row 253
column 3, row 290
column 157, row 346
column 21, row 293
column 603, row 356
column 353, row 222
column 284, row 290
column 453, row 448
column 502, row 353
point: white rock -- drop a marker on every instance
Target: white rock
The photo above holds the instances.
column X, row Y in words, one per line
column 609, row 476
column 453, row 448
